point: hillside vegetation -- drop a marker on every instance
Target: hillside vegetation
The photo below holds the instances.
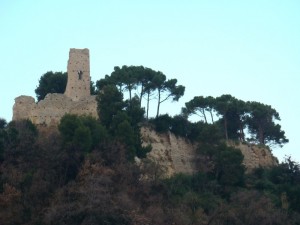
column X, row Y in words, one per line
column 84, row 171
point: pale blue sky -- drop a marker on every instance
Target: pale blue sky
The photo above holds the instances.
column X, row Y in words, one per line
column 249, row 49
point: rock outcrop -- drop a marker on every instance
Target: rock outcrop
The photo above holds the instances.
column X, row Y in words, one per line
column 173, row 154
column 256, row 156
column 178, row 155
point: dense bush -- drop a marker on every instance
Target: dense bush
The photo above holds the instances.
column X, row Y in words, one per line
column 179, row 125
column 81, row 132
column 46, row 181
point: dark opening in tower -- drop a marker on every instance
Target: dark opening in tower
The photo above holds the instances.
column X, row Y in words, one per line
column 80, row 73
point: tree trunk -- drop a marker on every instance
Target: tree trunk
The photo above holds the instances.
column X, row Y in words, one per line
column 211, row 115
column 141, row 95
column 241, row 130
column 158, row 105
column 261, row 135
column 242, row 135
column 129, row 89
column 148, row 104
column 225, row 127
column 203, row 113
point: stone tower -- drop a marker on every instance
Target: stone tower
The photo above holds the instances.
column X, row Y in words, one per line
column 78, row 85
column 76, row 100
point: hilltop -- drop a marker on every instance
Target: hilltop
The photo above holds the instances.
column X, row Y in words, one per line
column 90, row 153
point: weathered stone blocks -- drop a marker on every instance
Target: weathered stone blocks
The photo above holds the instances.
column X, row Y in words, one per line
column 76, row 99
column 78, row 85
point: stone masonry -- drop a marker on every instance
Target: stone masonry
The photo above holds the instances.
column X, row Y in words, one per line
column 78, row 85
column 76, row 99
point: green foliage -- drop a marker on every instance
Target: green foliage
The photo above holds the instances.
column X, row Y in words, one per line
column 162, row 123
column 142, row 151
column 193, row 190
column 180, row 184
column 208, row 133
column 51, row 82
column 200, row 105
column 97, row 130
column 288, row 172
column 224, row 105
column 126, row 130
column 110, row 102
column 81, row 132
column 55, row 82
column 134, row 111
column 145, row 81
column 179, row 125
column 125, row 133
column 20, row 135
column 3, row 123
column 231, row 110
column 262, row 126
column 278, row 181
column 122, row 119
column 93, row 88
column 68, row 124
column 107, row 189
column 127, row 76
column 3, row 136
column 228, row 169
column 119, row 118
column 82, row 138
column 236, row 115
column 166, row 89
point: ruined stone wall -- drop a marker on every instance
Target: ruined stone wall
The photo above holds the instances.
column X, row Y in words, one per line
column 22, row 107
column 76, row 99
column 50, row 110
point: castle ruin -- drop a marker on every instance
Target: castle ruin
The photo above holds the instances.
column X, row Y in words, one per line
column 78, row 85
column 76, row 99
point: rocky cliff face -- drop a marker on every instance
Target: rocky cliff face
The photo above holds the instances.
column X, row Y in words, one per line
column 173, row 154
column 256, row 156
column 178, row 155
